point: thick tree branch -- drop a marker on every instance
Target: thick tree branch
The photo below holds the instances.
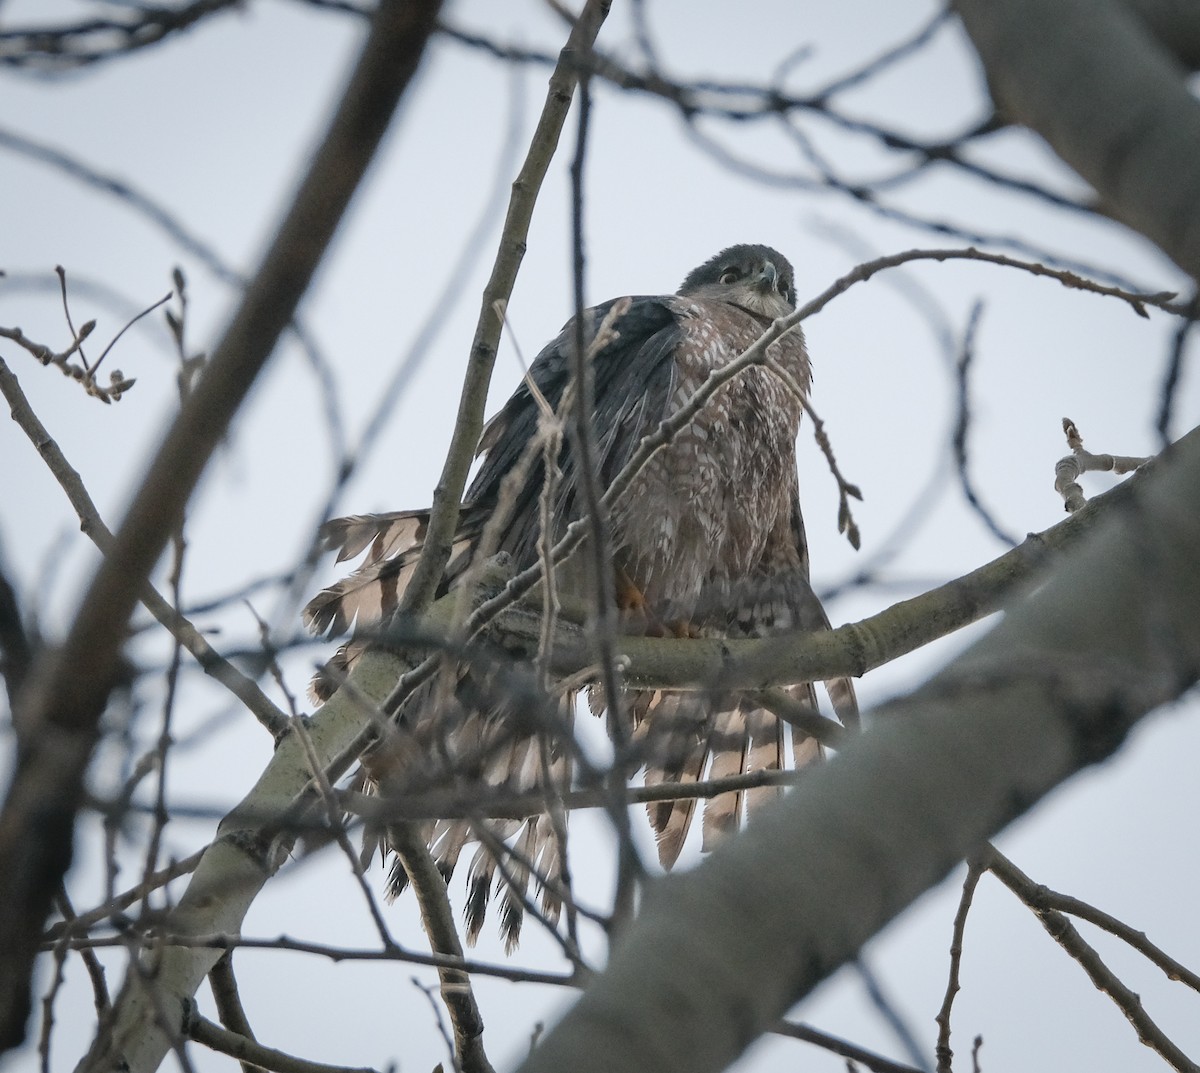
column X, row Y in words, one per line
column 1055, row 687
column 1124, row 123
column 251, row 844
column 852, row 649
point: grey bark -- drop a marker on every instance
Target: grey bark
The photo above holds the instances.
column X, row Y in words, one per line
column 1103, row 82
column 718, row 954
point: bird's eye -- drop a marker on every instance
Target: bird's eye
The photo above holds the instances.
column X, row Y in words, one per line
column 730, row 275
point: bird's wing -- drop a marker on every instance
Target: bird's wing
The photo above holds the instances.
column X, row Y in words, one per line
column 393, row 543
column 633, row 376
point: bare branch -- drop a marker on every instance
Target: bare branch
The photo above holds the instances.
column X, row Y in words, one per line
column 945, row 1056
column 210, row 660
column 850, row 1051
column 1065, row 934
column 221, row 941
column 115, row 906
column 229, row 1004
column 58, row 49
column 962, row 426
column 1068, row 470
column 202, row 1030
column 1042, row 899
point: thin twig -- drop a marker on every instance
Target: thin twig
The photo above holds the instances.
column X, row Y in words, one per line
column 336, row 954
column 875, row 1062
column 1039, row 897
column 116, row 905
column 962, row 427
column 229, row 1004
column 162, row 747
column 599, row 543
column 945, row 1056
column 890, row 1013
column 441, row 1025
column 1170, row 380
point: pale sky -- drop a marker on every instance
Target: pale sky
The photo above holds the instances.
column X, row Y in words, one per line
column 215, row 127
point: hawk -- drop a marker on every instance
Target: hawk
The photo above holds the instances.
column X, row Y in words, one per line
column 707, row 540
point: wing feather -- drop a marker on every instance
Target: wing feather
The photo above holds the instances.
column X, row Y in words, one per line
column 634, row 375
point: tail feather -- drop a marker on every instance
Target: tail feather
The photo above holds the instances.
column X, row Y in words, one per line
column 671, row 729
column 805, row 749
column 470, row 734
column 479, row 891
column 765, row 754
column 388, row 535
column 469, row 738
column 844, row 701
column 689, row 736
column 446, row 844
column 729, row 744
column 548, row 866
column 515, row 884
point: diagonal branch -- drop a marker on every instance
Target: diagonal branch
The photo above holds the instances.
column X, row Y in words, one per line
column 1041, row 899
column 852, row 649
column 250, row 846
column 1068, row 937
column 248, row 1050
column 60, row 706
column 469, row 424
column 457, row 993
column 211, row 661
column 1057, row 686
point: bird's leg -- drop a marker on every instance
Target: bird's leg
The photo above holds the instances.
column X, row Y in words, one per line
column 632, row 605
column 634, row 609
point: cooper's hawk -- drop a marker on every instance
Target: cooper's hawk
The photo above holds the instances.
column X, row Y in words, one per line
column 707, row 540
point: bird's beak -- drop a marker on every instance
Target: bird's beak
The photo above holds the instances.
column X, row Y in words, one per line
column 768, row 277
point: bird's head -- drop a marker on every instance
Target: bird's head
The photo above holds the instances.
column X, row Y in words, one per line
column 756, row 278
